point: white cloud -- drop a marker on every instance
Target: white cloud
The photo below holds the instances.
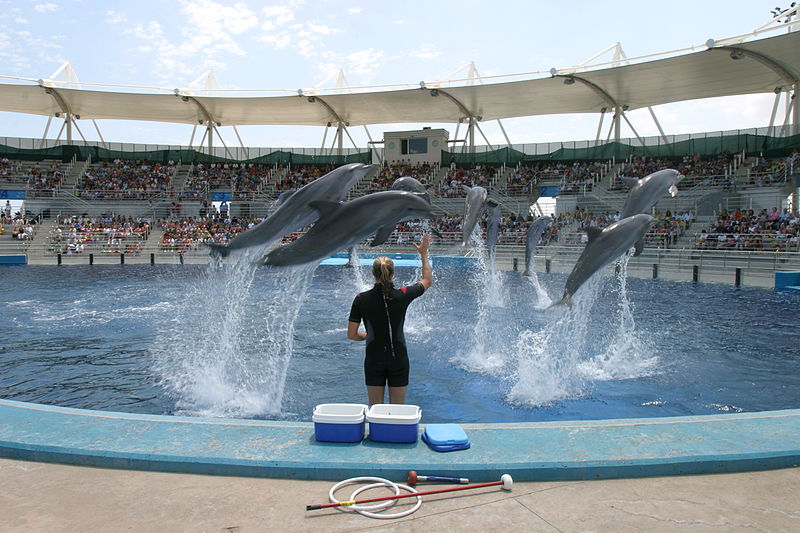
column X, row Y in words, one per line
column 47, row 6
column 307, row 38
column 208, row 34
column 355, row 10
column 208, row 16
column 364, row 61
column 322, row 29
column 281, row 14
column 425, row 52
column 115, row 17
column 20, row 20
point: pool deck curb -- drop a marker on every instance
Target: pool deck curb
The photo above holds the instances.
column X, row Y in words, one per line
column 530, row 451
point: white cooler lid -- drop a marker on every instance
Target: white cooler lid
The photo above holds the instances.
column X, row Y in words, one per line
column 394, row 413
column 339, row 413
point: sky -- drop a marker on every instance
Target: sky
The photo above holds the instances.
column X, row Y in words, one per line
column 301, row 44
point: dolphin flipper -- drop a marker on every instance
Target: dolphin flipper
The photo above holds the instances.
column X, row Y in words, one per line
column 673, row 190
column 638, row 247
column 382, row 235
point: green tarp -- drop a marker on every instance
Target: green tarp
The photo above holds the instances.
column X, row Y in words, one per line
column 65, row 153
column 704, row 146
column 506, row 155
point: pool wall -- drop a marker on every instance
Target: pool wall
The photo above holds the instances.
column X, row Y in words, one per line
column 535, row 451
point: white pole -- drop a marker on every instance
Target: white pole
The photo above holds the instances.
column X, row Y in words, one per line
column 46, row 129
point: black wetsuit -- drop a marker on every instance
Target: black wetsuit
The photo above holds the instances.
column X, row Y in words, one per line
column 387, row 357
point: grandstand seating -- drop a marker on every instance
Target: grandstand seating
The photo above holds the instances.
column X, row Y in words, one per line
column 125, row 180
column 109, row 234
column 595, row 184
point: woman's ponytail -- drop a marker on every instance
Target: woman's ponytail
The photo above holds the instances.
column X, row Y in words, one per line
column 383, row 270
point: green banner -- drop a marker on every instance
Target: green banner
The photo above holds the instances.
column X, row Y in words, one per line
column 65, row 154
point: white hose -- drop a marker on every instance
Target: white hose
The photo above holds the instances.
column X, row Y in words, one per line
column 366, row 510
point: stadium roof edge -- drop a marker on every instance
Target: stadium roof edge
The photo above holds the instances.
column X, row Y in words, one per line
column 753, row 67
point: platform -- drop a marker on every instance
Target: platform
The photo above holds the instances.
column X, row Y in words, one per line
column 553, row 451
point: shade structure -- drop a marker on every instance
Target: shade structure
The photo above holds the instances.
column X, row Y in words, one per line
column 759, row 66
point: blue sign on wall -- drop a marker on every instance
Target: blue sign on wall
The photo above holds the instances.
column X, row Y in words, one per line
column 12, row 195
column 220, row 197
column 550, row 192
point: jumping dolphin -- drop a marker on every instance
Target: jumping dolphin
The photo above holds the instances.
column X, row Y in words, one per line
column 535, row 232
column 407, row 183
column 476, row 197
column 342, row 224
column 294, row 212
column 646, row 192
column 285, row 195
column 403, row 183
column 493, row 227
column 603, row 248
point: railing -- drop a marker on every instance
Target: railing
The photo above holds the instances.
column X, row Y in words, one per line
column 757, row 242
column 62, row 239
column 121, row 194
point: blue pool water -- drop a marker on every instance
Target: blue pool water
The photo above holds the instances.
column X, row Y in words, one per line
column 216, row 341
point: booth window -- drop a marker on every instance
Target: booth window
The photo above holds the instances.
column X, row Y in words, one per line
column 414, row 146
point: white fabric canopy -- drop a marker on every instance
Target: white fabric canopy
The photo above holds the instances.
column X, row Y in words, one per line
column 762, row 66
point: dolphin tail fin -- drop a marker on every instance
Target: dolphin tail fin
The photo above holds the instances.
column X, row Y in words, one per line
column 219, row 250
column 566, row 301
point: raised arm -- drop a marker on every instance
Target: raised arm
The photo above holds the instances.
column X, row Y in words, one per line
column 427, row 273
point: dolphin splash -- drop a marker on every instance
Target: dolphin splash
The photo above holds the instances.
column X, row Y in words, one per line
column 294, row 212
column 603, row 248
column 534, row 237
column 343, row 224
column 476, row 197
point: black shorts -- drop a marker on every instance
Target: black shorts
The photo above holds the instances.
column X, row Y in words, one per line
column 380, row 369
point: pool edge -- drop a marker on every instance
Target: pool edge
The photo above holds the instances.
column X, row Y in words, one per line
column 529, row 451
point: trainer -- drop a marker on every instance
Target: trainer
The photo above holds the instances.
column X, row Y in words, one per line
column 383, row 310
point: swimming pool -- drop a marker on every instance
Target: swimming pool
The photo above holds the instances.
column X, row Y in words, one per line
column 215, row 341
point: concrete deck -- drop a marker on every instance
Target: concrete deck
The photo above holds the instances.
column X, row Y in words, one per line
column 537, row 451
column 45, row 498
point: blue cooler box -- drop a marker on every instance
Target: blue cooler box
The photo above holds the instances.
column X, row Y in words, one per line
column 391, row 422
column 339, row 422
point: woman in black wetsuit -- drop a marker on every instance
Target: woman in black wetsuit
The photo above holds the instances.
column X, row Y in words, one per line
column 383, row 310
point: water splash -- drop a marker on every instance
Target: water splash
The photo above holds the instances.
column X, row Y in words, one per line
column 565, row 359
column 227, row 350
column 627, row 354
column 543, row 300
column 486, row 352
column 548, row 360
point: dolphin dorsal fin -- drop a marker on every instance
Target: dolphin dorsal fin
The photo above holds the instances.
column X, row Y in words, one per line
column 630, row 182
column 466, row 189
column 325, row 207
column 593, row 233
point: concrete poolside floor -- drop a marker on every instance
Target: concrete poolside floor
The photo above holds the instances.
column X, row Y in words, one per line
column 42, row 497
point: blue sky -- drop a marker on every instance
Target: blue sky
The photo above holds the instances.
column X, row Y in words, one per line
column 298, row 44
